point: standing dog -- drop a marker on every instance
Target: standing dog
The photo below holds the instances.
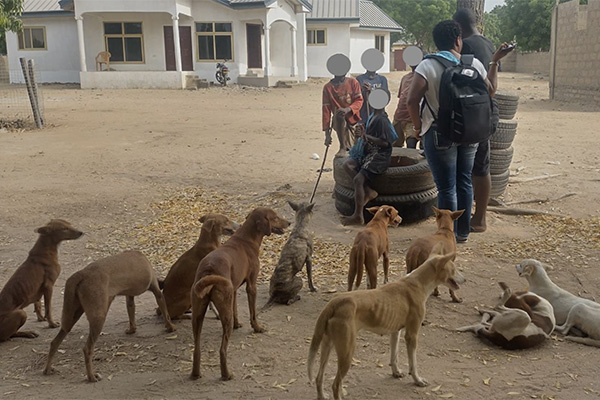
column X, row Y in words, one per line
column 521, row 320
column 370, row 244
column 178, row 283
column 33, row 279
column 419, row 250
column 285, row 284
column 386, row 310
column 223, row 271
column 92, row 290
column 570, row 311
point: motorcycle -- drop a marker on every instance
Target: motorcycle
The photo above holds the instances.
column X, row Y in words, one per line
column 222, row 74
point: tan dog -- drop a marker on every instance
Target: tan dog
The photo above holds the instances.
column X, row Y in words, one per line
column 372, row 243
column 178, row 283
column 92, row 290
column 420, row 249
column 33, row 279
column 223, row 271
column 386, row 310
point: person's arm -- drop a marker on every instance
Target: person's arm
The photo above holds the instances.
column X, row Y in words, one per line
column 327, row 109
column 381, row 129
column 417, row 90
column 357, row 98
column 492, row 77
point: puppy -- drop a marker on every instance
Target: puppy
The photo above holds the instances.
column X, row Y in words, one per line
column 33, row 279
column 178, row 283
column 570, row 311
column 285, row 284
column 372, row 243
column 92, row 290
column 419, row 250
column 521, row 320
column 386, row 310
column 223, row 271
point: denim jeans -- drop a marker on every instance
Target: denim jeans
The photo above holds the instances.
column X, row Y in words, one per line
column 451, row 165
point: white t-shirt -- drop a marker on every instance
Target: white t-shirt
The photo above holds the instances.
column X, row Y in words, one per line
column 432, row 70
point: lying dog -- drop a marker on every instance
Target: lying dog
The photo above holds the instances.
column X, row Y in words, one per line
column 223, row 271
column 33, row 279
column 285, row 284
column 178, row 283
column 371, row 243
column 386, row 310
column 419, row 250
column 570, row 311
column 92, row 290
column 521, row 320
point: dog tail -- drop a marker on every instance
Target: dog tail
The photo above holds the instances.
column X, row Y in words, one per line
column 584, row 340
column 318, row 335
column 71, row 302
column 357, row 265
column 205, row 285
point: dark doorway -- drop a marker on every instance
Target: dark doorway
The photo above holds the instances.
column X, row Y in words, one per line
column 254, row 39
column 185, row 42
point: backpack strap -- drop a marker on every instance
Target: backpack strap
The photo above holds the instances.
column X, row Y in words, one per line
column 442, row 60
column 467, row 59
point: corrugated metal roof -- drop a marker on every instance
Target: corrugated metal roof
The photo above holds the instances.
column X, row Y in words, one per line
column 372, row 16
column 334, row 9
column 30, row 6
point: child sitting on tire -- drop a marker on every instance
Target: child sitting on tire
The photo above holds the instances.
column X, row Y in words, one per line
column 371, row 155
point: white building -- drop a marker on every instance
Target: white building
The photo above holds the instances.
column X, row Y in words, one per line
column 349, row 27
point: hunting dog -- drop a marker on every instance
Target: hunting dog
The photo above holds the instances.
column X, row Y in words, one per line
column 285, row 284
column 178, row 283
column 223, row 271
column 33, row 279
column 386, row 310
column 521, row 320
column 372, row 243
column 92, row 290
column 570, row 311
column 419, row 250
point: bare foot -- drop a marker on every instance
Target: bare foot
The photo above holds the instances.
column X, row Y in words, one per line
column 370, row 194
column 478, row 225
column 353, row 220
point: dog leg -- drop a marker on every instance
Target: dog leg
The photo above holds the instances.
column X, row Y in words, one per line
column 214, row 310
column 394, row 344
column 325, row 351
column 197, row 321
column 96, row 324
column 386, row 267
column 587, row 341
column 344, row 347
column 308, row 262
column 236, row 323
column 48, row 289
column 372, row 277
column 10, row 324
column 411, row 336
column 251, row 291
column 352, row 272
column 224, row 308
column 131, row 313
column 455, row 298
column 68, row 322
column 37, row 306
column 162, row 305
column 436, row 292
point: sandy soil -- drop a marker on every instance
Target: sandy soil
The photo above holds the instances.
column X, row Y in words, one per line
column 109, row 158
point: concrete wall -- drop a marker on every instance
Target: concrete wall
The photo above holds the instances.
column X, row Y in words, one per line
column 576, row 74
column 527, row 62
column 362, row 40
column 59, row 62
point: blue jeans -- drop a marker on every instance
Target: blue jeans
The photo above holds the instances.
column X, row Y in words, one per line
column 451, row 165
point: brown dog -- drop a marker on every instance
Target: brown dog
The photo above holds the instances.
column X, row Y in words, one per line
column 386, row 310
column 33, row 279
column 178, row 283
column 420, row 249
column 223, row 271
column 370, row 244
column 92, row 290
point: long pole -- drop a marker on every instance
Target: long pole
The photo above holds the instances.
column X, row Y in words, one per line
column 36, row 116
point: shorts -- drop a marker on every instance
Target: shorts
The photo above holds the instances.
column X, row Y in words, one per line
column 404, row 130
column 368, row 174
column 481, row 165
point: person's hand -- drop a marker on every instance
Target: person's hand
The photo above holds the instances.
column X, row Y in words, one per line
column 328, row 137
column 343, row 111
column 416, row 133
column 502, row 51
column 367, row 87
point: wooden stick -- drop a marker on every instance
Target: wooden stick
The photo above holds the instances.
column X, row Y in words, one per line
column 547, row 199
column 521, row 211
column 34, row 86
column 533, row 178
column 36, row 116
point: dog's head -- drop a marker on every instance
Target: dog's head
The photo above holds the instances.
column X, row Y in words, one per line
column 59, row 230
column 445, row 268
column 266, row 221
column 530, row 267
column 386, row 212
column 218, row 224
column 446, row 218
column 303, row 210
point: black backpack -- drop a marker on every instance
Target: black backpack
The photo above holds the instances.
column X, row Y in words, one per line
column 465, row 114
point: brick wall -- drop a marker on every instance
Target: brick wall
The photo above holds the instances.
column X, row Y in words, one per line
column 527, row 62
column 577, row 72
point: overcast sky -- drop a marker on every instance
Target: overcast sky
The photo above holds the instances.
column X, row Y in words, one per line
column 490, row 4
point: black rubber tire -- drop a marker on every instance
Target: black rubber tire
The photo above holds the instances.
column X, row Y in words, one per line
column 411, row 207
column 502, row 138
column 499, row 184
column 507, row 115
column 499, row 165
column 507, row 124
column 501, row 155
column 396, row 180
column 502, row 96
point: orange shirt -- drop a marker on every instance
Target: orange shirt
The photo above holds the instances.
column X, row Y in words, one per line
column 345, row 94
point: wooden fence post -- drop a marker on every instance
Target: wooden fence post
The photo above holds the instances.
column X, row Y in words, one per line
column 36, row 116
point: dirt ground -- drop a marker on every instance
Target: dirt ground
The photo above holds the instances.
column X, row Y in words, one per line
column 137, row 168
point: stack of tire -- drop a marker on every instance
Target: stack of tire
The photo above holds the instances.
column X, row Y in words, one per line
column 407, row 185
column 501, row 150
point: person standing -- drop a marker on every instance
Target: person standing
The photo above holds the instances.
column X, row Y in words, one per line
column 404, row 127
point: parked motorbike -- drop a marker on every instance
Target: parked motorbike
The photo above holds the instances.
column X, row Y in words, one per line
column 222, row 74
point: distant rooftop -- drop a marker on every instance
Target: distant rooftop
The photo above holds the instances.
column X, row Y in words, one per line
column 364, row 12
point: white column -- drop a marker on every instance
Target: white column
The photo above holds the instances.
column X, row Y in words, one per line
column 267, row 51
column 82, row 64
column 294, row 53
column 302, row 27
column 176, row 43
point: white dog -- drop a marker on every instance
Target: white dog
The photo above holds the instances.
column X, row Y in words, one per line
column 570, row 311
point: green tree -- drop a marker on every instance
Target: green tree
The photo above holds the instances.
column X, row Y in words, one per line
column 493, row 28
column 10, row 11
column 418, row 17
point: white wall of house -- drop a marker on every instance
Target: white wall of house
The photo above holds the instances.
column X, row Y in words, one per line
column 281, row 49
column 59, row 62
column 362, row 40
column 337, row 41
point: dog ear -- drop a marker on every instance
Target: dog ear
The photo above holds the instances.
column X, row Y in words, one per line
column 44, row 230
column 435, row 210
column 263, row 225
column 294, row 206
column 373, row 210
column 310, row 207
column 547, row 267
column 208, row 224
column 389, row 211
column 456, row 214
column 203, row 218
